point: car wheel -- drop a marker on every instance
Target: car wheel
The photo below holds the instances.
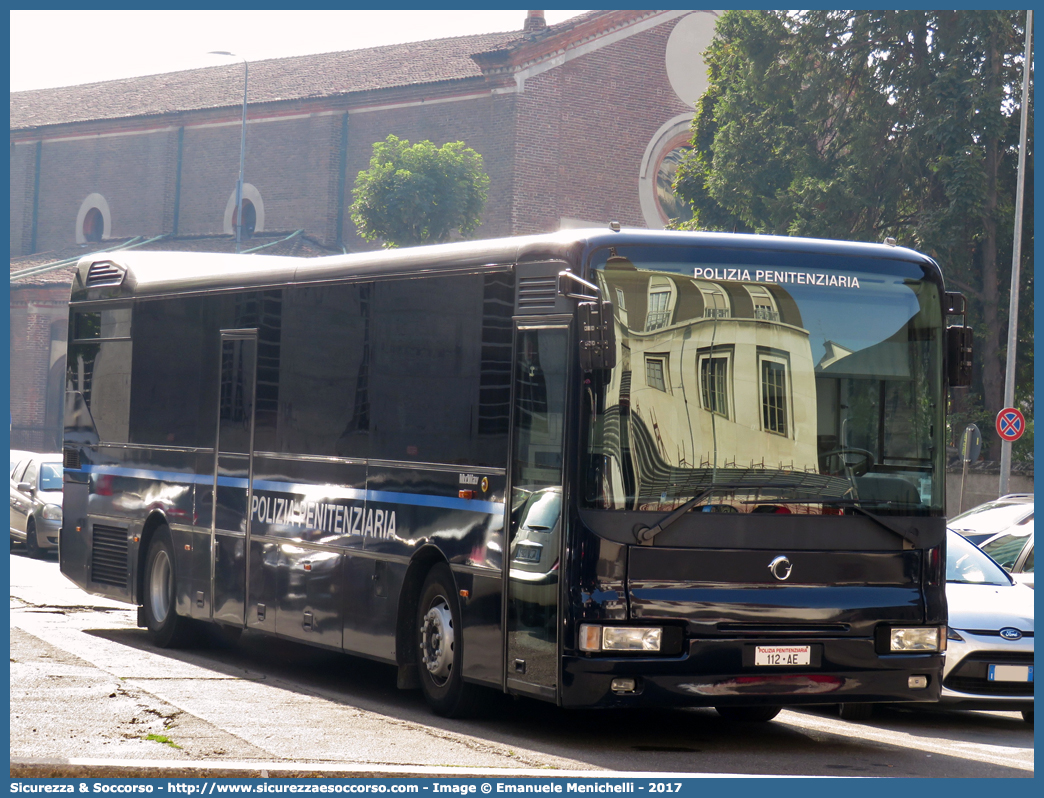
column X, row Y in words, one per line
column 856, row 712
column 32, row 545
column 166, row 627
column 1027, row 715
column 759, row 714
column 440, row 647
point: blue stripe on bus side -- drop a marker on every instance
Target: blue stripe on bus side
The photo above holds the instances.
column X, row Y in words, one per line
column 383, row 496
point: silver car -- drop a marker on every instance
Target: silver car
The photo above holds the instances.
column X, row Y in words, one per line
column 1014, row 551
column 36, row 502
column 17, row 456
column 989, row 649
column 981, row 523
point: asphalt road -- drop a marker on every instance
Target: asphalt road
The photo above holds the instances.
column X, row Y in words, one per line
column 86, row 684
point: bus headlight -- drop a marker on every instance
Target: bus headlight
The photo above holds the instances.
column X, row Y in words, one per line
column 51, row 512
column 918, row 638
column 620, row 638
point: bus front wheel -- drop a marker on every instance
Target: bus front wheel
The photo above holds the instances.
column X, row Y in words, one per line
column 166, row 627
column 440, row 648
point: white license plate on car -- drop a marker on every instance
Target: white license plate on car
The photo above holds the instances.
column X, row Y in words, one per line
column 1011, row 673
column 782, row 655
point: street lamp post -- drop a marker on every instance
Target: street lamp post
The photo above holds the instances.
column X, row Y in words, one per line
column 242, row 147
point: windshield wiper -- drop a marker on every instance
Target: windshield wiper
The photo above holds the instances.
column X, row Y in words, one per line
column 645, row 534
column 912, row 535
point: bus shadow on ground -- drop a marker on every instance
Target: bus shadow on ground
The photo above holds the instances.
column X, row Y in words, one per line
column 653, row 740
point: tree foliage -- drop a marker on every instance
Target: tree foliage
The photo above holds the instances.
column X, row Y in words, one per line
column 866, row 125
column 419, row 194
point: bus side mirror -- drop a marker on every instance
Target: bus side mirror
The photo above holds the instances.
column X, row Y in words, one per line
column 959, row 356
column 597, row 335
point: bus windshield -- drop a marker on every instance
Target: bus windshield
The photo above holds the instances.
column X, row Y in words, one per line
column 779, row 382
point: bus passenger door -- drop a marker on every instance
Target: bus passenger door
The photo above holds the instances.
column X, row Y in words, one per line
column 230, row 535
column 535, row 531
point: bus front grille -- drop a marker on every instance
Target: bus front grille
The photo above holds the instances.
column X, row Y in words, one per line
column 109, row 555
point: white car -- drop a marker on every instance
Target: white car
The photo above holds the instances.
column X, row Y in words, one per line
column 989, row 648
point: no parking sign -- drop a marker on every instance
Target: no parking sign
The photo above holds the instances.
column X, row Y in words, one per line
column 1010, row 424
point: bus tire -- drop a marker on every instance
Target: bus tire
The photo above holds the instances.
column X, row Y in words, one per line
column 440, row 648
column 855, row 712
column 166, row 628
column 32, row 545
column 758, row 714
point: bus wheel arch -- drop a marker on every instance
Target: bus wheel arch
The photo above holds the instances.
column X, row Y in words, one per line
column 160, row 592
column 406, row 627
column 148, row 531
column 438, row 632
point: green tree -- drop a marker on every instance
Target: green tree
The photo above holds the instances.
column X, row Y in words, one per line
column 419, row 194
column 866, row 125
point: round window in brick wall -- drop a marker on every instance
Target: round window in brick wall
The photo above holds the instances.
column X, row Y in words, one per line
column 93, row 220
column 668, row 203
column 249, row 218
column 253, row 212
column 93, row 225
column 659, row 168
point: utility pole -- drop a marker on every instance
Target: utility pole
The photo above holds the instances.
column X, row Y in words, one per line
column 1016, row 257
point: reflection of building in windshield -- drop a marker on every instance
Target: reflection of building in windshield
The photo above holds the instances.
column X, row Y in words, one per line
column 713, row 377
column 767, row 393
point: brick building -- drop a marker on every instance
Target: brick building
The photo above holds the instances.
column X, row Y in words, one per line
column 577, row 123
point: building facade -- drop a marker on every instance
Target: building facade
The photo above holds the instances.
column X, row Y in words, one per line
column 578, row 123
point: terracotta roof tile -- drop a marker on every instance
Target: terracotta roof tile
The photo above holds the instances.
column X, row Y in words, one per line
column 300, row 77
column 273, row 80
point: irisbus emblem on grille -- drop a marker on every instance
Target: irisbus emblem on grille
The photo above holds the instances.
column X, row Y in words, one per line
column 780, row 568
column 1008, row 633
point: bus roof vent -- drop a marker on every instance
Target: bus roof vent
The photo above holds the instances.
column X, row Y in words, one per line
column 104, row 273
column 537, row 292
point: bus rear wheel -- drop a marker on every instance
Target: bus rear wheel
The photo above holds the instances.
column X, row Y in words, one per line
column 759, row 714
column 440, row 647
column 166, row 627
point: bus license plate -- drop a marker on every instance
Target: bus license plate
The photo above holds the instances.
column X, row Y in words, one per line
column 782, row 655
column 1011, row 673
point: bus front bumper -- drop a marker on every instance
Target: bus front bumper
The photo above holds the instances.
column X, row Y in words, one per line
column 714, row 673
